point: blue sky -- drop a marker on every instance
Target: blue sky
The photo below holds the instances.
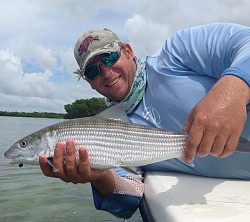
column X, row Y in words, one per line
column 38, row 36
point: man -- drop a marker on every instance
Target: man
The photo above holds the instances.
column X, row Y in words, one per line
column 198, row 82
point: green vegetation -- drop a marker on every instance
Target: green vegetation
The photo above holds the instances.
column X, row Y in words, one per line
column 84, row 108
column 34, row 114
column 79, row 108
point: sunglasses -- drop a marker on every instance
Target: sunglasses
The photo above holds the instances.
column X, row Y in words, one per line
column 107, row 59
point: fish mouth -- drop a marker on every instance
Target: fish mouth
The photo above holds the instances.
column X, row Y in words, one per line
column 20, row 160
column 12, row 160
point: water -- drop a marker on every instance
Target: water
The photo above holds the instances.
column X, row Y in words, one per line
column 26, row 195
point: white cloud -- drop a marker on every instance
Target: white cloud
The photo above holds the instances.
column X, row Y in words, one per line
column 34, row 91
column 38, row 36
column 26, row 49
column 68, row 63
column 150, row 37
column 156, row 20
column 181, row 13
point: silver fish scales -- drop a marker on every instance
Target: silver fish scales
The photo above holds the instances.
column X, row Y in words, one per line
column 111, row 140
column 113, row 143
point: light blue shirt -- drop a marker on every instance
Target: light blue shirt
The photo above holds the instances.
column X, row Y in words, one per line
column 179, row 75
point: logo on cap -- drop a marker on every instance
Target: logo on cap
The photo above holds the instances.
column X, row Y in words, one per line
column 85, row 44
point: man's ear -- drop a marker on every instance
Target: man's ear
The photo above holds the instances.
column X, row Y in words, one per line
column 128, row 50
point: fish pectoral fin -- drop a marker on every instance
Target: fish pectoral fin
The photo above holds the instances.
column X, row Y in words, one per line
column 131, row 170
column 50, row 162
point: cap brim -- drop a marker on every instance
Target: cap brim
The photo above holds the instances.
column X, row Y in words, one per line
column 106, row 49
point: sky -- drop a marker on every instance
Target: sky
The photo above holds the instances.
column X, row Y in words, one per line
column 38, row 36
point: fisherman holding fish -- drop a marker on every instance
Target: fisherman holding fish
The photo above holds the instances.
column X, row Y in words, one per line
column 198, row 82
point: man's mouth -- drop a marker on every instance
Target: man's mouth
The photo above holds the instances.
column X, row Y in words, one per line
column 116, row 80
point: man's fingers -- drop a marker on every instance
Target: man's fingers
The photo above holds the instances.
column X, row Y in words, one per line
column 68, row 169
column 218, row 145
column 86, row 173
column 206, row 144
column 45, row 167
column 84, row 165
column 58, row 161
column 192, row 143
column 70, row 160
column 229, row 147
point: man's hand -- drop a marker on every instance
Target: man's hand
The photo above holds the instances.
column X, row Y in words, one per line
column 64, row 160
column 216, row 122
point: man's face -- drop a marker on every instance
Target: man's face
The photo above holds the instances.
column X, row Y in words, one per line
column 115, row 82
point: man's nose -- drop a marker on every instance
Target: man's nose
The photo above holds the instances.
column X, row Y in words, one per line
column 105, row 71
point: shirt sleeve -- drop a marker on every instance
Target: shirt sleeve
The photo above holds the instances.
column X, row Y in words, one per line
column 213, row 50
column 124, row 201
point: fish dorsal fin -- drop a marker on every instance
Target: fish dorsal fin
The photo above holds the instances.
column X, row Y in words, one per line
column 116, row 112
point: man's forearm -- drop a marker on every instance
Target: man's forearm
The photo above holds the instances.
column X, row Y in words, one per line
column 107, row 184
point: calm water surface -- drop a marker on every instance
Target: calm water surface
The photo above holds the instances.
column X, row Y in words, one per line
column 26, row 195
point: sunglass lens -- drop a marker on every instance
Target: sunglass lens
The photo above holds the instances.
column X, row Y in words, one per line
column 109, row 59
column 92, row 72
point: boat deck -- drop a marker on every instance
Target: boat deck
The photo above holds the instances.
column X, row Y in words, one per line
column 174, row 197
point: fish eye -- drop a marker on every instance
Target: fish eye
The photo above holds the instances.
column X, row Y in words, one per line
column 23, row 143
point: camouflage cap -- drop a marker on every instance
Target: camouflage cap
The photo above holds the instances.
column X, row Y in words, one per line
column 92, row 43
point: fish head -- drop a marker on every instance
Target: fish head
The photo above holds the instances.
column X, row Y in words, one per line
column 28, row 149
